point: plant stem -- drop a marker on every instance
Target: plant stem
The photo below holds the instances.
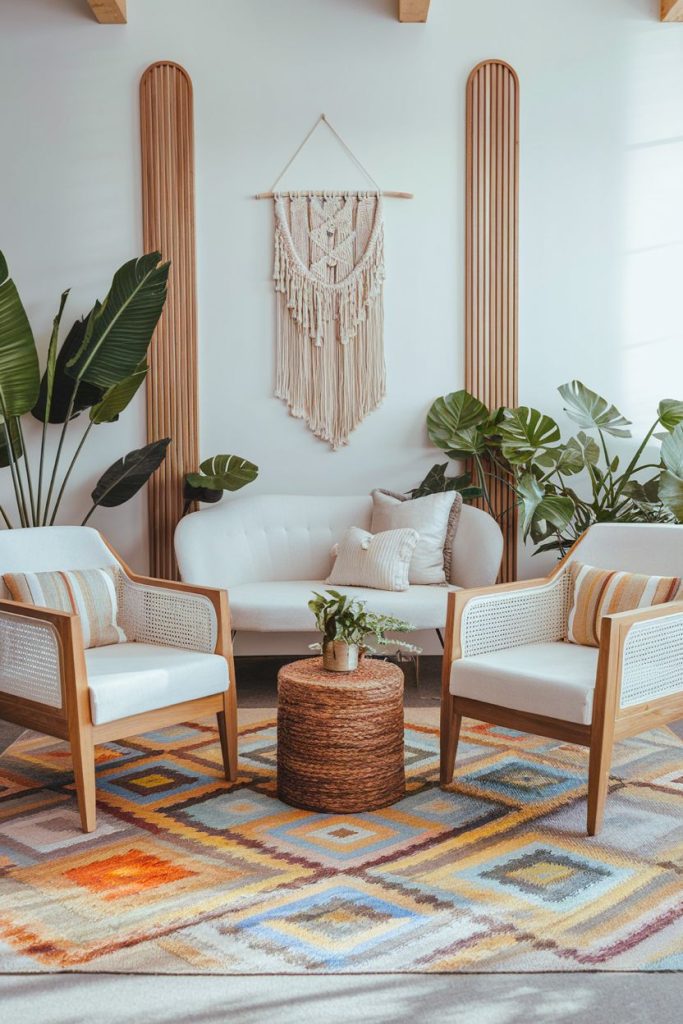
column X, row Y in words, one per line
column 34, row 513
column 88, row 515
column 41, row 465
column 16, row 483
column 631, row 468
column 482, row 483
column 608, row 470
column 4, row 516
column 68, row 472
column 53, row 476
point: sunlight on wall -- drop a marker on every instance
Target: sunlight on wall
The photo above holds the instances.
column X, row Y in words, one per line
column 652, row 309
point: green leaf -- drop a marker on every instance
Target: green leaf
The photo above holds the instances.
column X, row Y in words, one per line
column 63, row 383
column 127, row 475
column 539, row 508
column 118, row 396
column 436, row 482
column 19, row 372
column 217, row 474
column 672, row 450
column 644, row 494
column 120, row 330
column 5, row 457
column 590, row 410
column 51, row 366
column 526, row 433
column 671, row 493
column 670, row 413
column 455, row 421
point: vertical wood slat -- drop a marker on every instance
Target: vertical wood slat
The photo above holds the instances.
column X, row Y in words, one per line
column 491, row 243
column 167, row 140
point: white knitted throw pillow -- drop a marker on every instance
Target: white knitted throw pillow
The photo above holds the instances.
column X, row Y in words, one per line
column 380, row 561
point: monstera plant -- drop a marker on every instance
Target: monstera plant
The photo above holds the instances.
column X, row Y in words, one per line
column 562, row 487
column 218, row 474
column 97, row 370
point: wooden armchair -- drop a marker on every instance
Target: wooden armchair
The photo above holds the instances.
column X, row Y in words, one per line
column 506, row 662
column 178, row 665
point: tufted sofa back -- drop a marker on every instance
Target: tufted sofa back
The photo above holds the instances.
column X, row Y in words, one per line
column 289, row 537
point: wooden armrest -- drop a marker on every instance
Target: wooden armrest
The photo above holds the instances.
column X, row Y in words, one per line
column 62, row 621
column 624, row 620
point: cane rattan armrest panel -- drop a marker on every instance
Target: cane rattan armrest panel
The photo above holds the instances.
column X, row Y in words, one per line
column 652, row 659
column 173, row 618
column 511, row 618
column 30, row 659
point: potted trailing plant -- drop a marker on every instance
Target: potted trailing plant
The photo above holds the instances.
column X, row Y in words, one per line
column 345, row 625
column 98, row 369
column 218, row 474
column 562, row 487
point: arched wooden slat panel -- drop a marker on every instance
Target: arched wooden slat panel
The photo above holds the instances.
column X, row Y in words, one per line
column 167, row 137
column 491, row 236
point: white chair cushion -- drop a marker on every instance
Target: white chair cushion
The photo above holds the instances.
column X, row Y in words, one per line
column 553, row 679
column 282, row 606
column 127, row 679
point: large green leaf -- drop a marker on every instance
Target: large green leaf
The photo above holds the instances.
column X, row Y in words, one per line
column 217, row 474
column 452, row 422
column 19, row 371
column 578, row 453
column 643, row 493
column 120, row 330
column 63, row 383
column 671, row 480
column 670, row 413
column 436, row 482
column 590, row 410
column 16, row 443
column 672, row 450
column 671, row 493
column 539, row 508
column 118, row 396
column 525, row 433
column 127, row 475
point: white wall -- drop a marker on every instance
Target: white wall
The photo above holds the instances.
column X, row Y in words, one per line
column 601, row 203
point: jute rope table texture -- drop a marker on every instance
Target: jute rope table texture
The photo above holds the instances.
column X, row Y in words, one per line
column 340, row 736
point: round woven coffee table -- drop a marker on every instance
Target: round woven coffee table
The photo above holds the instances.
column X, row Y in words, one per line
column 340, row 736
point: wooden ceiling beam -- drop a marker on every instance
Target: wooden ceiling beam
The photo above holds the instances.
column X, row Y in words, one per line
column 672, row 10
column 109, row 12
column 413, row 10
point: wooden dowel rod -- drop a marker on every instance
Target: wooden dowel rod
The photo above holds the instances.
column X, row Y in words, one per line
column 316, row 192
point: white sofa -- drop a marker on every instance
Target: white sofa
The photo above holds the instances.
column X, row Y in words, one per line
column 271, row 551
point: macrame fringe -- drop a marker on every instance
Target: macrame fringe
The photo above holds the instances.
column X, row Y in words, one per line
column 330, row 355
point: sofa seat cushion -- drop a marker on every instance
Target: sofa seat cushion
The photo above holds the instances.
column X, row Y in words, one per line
column 553, row 679
column 127, row 679
column 282, row 606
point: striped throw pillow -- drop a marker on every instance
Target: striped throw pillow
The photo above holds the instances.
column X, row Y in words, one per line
column 379, row 560
column 600, row 592
column 90, row 593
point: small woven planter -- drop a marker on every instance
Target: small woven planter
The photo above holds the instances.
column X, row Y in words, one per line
column 340, row 737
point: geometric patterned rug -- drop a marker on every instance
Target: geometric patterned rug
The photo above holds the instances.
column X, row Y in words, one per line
column 189, row 874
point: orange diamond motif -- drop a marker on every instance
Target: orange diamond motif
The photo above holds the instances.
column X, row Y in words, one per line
column 126, row 874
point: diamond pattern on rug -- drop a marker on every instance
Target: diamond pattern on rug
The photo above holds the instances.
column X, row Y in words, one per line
column 189, row 873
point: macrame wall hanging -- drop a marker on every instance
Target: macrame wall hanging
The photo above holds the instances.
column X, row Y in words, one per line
column 329, row 276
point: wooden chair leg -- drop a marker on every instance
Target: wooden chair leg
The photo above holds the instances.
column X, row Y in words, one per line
column 227, row 728
column 450, row 733
column 599, row 762
column 83, row 757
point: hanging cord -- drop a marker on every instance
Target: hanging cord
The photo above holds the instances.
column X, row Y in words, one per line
column 336, row 134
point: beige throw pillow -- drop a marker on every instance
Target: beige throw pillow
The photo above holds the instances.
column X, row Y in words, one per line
column 380, row 561
column 434, row 516
column 90, row 593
